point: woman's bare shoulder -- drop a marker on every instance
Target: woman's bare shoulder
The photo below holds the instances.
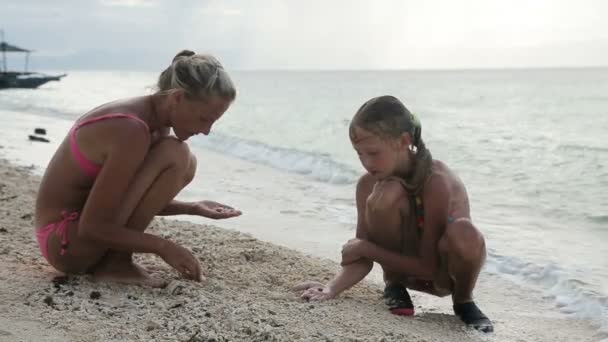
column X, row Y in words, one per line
column 135, row 106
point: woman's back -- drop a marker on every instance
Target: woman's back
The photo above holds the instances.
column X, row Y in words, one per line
column 63, row 187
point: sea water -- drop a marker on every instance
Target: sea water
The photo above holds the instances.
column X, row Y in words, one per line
column 530, row 145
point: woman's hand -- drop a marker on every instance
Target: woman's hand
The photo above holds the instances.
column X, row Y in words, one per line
column 181, row 260
column 313, row 290
column 213, row 210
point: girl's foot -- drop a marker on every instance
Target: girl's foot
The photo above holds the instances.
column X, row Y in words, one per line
column 473, row 317
column 398, row 300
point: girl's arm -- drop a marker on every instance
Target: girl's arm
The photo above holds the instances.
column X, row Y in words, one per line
column 436, row 198
column 352, row 272
column 349, row 275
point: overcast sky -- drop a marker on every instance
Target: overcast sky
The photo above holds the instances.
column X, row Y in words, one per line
column 310, row 34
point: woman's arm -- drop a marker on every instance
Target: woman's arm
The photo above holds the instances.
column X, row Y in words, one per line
column 209, row 209
column 98, row 220
column 101, row 222
column 176, row 207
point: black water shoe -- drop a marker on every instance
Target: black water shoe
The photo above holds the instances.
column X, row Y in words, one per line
column 473, row 317
column 398, row 300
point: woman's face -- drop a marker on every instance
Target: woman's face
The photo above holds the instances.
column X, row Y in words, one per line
column 193, row 117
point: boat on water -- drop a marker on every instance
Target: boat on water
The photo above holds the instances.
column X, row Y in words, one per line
column 21, row 79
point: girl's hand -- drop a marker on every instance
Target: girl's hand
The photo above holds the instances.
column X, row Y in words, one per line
column 313, row 290
column 213, row 210
column 182, row 261
column 351, row 251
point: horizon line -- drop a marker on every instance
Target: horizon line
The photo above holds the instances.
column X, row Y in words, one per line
column 438, row 69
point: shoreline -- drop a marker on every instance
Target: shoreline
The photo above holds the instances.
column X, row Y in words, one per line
column 246, row 297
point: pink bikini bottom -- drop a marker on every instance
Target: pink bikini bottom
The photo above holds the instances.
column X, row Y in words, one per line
column 60, row 228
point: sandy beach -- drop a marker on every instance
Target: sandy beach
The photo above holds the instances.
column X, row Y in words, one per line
column 246, row 296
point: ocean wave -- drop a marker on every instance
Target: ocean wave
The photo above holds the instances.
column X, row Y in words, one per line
column 319, row 166
column 576, row 147
column 18, row 105
column 571, row 295
column 598, row 218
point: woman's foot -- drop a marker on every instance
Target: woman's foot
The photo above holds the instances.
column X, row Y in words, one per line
column 473, row 317
column 398, row 300
column 125, row 271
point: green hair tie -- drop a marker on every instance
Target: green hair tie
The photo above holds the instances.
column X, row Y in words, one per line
column 416, row 128
column 415, row 120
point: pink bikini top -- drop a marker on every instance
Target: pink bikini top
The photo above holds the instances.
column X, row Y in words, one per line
column 88, row 167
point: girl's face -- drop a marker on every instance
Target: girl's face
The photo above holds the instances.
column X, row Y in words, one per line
column 193, row 117
column 380, row 157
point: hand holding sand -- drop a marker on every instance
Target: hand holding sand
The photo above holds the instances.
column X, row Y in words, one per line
column 214, row 210
column 314, row 290
column 182, row 261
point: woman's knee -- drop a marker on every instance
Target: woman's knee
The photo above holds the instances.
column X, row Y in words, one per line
column 177, row 155
column 463, row 240
column 190, row 170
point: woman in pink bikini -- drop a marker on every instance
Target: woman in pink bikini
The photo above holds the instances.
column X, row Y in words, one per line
column 118, row 168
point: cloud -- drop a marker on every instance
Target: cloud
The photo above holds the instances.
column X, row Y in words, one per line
column 219, row 9
column 128, row 3
column 315, row 34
